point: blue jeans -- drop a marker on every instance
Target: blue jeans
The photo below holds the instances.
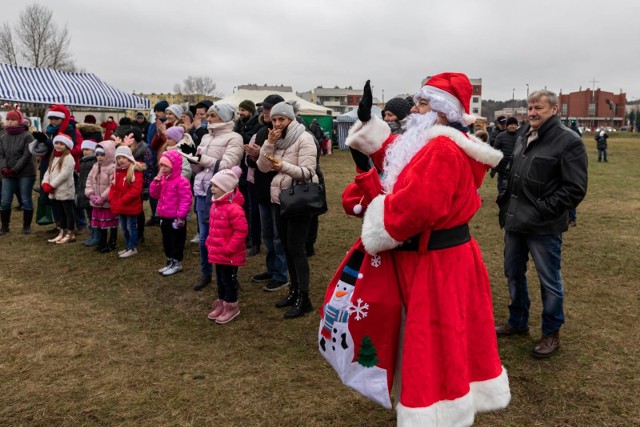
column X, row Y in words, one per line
column 276, row 258
column 129, row 225
column 546, row 251
column 12, row 185
column 203, row 227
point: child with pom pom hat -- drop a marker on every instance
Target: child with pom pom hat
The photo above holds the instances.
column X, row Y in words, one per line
column 226, row 242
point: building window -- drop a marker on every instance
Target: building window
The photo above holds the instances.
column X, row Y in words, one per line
column 564, row 109
column 592, row 109
column 475, row 99
column 475, row 111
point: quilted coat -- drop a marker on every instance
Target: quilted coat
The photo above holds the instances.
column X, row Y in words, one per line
column 221, row 143
column 101, row 175
column 173, row 191
column 126, row 199
column 227, row 230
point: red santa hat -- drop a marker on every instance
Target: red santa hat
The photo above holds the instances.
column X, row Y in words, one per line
column 59, row 111
column 449, row 93
column 64, row 139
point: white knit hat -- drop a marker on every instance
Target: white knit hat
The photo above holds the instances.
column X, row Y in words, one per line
column 125, row 151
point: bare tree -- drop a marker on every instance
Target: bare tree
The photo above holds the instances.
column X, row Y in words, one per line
column 36, row 40
column 194, row 88
column 7, row 46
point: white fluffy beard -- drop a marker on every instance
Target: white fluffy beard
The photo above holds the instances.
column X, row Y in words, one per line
column 400, row 153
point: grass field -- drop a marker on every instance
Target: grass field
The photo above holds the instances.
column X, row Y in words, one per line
column 87, row 339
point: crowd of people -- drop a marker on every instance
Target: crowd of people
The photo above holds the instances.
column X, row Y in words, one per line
column 224, row 165
column 418, row 172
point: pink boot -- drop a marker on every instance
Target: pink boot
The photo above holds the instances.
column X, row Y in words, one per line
column 231, row 311
column 218, row 308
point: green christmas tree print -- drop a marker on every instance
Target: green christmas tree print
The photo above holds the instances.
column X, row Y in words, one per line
column 367, row 354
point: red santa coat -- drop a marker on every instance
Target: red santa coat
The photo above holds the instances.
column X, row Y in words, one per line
column 450, row 363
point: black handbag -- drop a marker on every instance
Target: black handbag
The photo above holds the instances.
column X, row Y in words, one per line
column 303, row 198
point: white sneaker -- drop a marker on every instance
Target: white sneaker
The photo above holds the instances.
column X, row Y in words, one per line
column 122, row 251
column 129, row 253
column 176, row 267
column 167, row 266
column 196, row 239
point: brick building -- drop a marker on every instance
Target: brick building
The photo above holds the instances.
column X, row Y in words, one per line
column 594, row 108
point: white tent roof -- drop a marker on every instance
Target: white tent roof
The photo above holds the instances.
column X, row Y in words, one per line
column 352, row 116
column 306, row 108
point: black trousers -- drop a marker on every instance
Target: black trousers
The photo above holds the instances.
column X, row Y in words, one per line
column 66, row 213
column 293, row 235
column 173, row 240
column 226, row 281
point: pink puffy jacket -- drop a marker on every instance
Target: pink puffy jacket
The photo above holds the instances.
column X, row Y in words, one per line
column 174, row 191
column 227, row 230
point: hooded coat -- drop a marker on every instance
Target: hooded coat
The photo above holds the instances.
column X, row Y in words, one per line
column 125, row 198
column 173, row 191
column 227, row 230
column 101, row 175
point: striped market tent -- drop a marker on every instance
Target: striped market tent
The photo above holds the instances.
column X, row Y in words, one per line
column 49, row 86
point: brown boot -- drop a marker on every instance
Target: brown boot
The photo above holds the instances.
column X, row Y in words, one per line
column 547, row 346
column 506, row 329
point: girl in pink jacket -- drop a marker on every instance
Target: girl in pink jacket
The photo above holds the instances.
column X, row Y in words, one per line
column 226, row 241
column 173, row 192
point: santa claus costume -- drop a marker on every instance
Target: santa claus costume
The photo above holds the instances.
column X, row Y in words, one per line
column 450, row 369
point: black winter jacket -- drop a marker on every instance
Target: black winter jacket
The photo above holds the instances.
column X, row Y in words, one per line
column 548, row 177
column 505, row 142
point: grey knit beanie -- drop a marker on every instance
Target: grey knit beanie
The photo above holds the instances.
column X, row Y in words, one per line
column 226, row 112
column 283, row 109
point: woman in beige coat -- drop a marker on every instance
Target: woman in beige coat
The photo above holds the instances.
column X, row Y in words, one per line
column 291, row 152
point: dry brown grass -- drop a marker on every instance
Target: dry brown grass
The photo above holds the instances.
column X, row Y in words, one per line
column 86, row 339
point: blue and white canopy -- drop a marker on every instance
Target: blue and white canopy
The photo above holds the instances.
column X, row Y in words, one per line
column 49, row 86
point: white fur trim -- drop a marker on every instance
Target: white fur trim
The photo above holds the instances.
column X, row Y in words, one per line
column 472, row 146
column 374, row 236
column 368, row 137
column 469, row 119
column 65, row 140
column 493, row 394
column 489, row 395
column 58, row 114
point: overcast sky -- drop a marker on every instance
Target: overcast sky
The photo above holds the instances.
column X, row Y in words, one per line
column 150, row 45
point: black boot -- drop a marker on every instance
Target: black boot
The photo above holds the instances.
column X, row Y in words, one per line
column 27, row 217
column 202, row 283
column 102, row 240
column 301, row 307
column 113, row 239
column 5, row 217
column 290, row 299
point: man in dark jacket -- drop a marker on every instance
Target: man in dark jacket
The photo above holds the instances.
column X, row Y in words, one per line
column 277, row 274
column 505, row 141
column 548, row 177
column 501, row 125
column 247, row 126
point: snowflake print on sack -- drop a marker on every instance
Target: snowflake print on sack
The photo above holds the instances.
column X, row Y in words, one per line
column 376, row 261
column 360, row 310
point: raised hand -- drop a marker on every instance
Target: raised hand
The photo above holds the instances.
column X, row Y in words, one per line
column 364, row 108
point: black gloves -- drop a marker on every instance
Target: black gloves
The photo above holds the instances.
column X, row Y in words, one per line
column 40, row 137
column 364, row 108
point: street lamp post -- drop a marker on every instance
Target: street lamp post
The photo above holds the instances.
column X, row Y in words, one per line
column 527, row 90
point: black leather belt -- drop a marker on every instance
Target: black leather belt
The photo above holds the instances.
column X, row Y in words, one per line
column 439, row 239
